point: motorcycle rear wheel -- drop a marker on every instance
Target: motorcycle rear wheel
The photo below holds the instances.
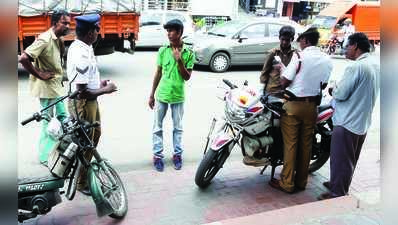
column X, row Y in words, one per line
column 322, row 146
column 117, row 198
column 210, row 165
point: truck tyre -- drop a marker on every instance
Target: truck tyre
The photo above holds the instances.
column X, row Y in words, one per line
column 106, row 50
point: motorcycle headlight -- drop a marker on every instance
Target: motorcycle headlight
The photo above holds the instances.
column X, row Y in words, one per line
column 235, row 113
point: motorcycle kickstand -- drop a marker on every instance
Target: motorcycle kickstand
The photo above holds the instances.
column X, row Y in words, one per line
column 263, row 169
column 273, row 171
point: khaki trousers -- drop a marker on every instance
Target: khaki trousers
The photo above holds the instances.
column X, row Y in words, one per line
column 297, row 127
column 88, row 110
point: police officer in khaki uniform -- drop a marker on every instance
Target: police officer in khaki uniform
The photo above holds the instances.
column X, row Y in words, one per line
column 83, row 72
column 297, row 124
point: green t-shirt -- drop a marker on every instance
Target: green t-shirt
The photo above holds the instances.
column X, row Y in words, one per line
column 171, row 84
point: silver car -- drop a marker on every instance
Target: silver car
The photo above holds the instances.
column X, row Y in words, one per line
column 152, row 33
column 238, row 42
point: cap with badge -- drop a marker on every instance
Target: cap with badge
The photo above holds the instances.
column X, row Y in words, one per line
column 312, row 31
column 88, row 20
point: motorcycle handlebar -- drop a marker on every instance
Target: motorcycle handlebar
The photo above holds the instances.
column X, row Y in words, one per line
column 74, row 94
column 30, row 119
column 230, row 85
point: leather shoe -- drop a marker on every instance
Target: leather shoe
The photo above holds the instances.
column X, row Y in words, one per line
column 275, row 184
column 85, row 191
column 326, row 184
column 324, row 196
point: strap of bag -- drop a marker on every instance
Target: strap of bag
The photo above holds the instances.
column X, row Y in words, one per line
column 299, row 65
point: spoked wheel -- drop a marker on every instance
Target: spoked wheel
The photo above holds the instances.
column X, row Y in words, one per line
column 321, row 145
column 210, row 165
column 116, row 195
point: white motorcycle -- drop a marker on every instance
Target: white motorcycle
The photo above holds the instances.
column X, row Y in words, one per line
column 252, row 122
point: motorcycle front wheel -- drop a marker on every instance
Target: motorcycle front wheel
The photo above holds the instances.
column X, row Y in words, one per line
column 210, row 165
column 116, row 194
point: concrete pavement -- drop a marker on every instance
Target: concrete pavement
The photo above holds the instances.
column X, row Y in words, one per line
column 237, row 195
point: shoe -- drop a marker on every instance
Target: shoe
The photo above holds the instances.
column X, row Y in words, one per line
column 177, row 161
column 275, row 184
column 326, row 184
column 251, row 161
column 326, row 195
column 158, row 163
column 85, row 191
column 297, row 189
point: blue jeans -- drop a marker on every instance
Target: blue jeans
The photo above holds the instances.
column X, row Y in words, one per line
column 46, row 143
column 160, row 110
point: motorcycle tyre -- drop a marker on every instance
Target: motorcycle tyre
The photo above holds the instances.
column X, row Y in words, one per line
column 322, row 159
column 72, row 183
column 121, row 213
column 207, row 164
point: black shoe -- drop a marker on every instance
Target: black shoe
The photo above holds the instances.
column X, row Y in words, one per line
column 85, row 191
column 326, row 184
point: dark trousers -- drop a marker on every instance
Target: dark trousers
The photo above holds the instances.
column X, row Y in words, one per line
column 344, row 153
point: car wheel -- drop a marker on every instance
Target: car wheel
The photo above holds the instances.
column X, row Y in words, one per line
column 220, row 62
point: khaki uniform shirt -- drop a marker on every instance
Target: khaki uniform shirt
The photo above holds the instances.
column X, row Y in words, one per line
column 45, row 51
column 270, row 76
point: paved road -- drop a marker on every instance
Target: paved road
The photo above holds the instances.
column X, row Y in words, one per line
column 153, row 199
column 127, row 119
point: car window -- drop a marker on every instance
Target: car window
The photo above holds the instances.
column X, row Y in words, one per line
column 170, row 16
column 254, row 31
column 227, row 29
column 150, row 19
column 273, row 29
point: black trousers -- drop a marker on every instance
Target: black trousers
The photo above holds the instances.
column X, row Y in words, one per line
column 344, row 153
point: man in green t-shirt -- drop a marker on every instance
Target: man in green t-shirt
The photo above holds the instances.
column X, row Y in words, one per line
column 174, row 67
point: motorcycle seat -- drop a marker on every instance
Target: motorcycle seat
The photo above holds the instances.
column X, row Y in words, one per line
column 31, row 180
column 324, row 107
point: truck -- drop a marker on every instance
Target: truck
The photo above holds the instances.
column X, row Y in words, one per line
column 365, row 17
column 119, row 22
column 207, row 13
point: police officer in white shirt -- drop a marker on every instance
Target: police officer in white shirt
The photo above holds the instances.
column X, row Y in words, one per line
column 83, row 72
column 301, row 79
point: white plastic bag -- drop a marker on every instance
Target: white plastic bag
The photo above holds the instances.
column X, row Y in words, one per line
column 54, row 129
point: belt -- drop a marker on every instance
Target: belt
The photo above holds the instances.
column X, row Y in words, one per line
column 305, row 99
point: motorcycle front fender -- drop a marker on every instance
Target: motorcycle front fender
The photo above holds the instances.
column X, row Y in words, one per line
column 221, row 139
column 102, row 204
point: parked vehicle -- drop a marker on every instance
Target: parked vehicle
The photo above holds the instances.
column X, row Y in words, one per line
column 334, row 46
column 365, row 17
column 119, row 22
column 252, row 122
column 38, row 195
column 152, row 33
column 238, row 42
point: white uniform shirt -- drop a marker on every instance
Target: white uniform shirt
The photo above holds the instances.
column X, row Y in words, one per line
column 81, row 61
column 316, row 67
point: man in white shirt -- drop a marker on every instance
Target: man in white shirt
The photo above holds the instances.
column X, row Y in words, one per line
column 303, row 81
column 83, row 72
